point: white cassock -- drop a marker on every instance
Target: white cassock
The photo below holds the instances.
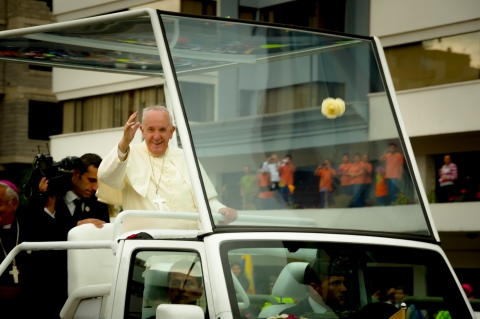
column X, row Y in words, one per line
column 133, row 185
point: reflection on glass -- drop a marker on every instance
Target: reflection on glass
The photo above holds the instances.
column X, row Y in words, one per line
column 122, row 46
column 163, row 277
column 293, row 124
column 321, row 280
column 435, row 62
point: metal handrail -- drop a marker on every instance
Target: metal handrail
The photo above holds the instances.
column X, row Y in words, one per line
column 216, row 217
column 53, row 245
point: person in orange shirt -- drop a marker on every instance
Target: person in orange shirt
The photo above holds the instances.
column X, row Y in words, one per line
column 357, row 179
column 367, row 181
column 265, row 194
column 381, row 190
column 286, row 171
column 343, row 171
column 326, row 173
column 393, row 170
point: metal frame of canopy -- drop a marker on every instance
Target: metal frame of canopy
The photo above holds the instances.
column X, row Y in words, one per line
column 174, row 97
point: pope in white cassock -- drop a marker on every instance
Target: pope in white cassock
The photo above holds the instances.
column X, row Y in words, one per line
column 151, row 175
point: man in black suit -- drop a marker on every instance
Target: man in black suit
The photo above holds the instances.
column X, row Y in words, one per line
column 77, row 206
column 325, row 282
column 50, row 219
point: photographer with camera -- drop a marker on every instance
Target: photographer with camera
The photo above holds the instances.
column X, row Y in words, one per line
column 73, row 205
column 64, row 199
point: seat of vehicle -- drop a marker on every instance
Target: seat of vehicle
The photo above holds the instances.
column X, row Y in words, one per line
column 90, row 266
column 288, row 285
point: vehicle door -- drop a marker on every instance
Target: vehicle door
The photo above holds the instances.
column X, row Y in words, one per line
column 147, row 277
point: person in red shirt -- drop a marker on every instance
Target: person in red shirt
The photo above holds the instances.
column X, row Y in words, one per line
column 326, row 173
column 357, row 179
column 393, row 170
column 286, row 170
column 367, row 181
column 343, row 171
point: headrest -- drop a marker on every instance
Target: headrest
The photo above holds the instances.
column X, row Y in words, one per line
column 323, row 269
column 290, row 281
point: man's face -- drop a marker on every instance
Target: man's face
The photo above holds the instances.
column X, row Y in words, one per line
column 85, row 185
column 7, row 209
column 447, row 159
column 236, row 270
column 157, row 131
column 345, row 159
column 392, row 149
column 246, row 169
column 400, row 295
column 333, row 291
column 183, row 289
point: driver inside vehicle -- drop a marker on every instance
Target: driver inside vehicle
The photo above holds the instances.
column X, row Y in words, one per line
column 325, row 282
column 184, row 284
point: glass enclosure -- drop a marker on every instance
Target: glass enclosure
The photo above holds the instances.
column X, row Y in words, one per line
column 125, row 46
column 323, row 280
column 295, row 124
column 294, row 128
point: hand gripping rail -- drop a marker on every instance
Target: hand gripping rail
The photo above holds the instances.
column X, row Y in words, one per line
column 216, row 217
column 53, row 245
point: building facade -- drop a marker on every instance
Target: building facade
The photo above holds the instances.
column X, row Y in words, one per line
column 432, row 49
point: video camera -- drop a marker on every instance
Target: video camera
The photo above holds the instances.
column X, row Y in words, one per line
column 58, row 174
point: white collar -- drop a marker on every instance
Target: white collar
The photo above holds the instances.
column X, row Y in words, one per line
column 318, row 308
column 9, row 226
column 70, row 196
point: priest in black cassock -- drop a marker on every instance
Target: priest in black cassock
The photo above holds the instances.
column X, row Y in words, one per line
column 12, row 233
column 50, row 219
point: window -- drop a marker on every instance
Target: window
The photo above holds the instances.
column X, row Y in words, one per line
column 459, row 180
column 108, row 110
column 200, row 7
column 40, row 68
column 44, row 119
column 163, row 277
column 435, row 62
column 328, row 15
column 306, row 279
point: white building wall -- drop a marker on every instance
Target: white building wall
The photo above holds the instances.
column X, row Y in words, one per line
column 389, row 17
column 66, row 10
column 443, row 109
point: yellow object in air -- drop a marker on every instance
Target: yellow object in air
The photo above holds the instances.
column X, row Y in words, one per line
column 400, row 314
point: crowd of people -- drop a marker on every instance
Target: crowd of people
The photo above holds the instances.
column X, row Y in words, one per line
column 41, row 276
column 273, row 185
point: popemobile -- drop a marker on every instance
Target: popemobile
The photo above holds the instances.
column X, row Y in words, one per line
column 339, row 228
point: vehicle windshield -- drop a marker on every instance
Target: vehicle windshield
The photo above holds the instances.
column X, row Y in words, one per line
column 294, row 128
column 323, row 280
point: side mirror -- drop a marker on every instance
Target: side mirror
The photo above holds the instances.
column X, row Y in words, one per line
column 179, row 311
